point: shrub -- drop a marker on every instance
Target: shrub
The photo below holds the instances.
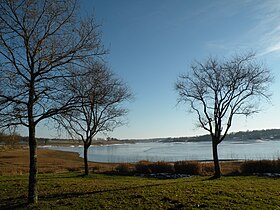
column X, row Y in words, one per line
column 124, row 168
column 260, row 166
column 161, row 167
column 207, row 168
column 187, row 167
column 143, row 167
column 73, row 169
column 146, row 167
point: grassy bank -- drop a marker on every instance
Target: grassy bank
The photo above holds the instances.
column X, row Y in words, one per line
column 62, row 186
column 14, row 161
column 72, row 191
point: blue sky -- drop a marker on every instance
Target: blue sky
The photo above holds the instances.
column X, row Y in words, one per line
column 152, row 42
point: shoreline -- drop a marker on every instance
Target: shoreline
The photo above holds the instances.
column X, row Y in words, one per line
column 15, row 161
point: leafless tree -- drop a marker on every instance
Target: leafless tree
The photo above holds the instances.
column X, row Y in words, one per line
column 102, row 99
column 39, row 40
column 218, row 90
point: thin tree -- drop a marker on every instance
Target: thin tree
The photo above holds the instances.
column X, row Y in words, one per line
column 218, row 90
column 102, row 99
column 39, row 40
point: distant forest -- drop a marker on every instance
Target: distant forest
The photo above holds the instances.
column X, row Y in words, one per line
column 270, row 134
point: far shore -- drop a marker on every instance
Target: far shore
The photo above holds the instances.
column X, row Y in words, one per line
column 80, row 143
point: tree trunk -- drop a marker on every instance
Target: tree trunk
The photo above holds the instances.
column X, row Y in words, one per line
column 86, row 159
column 33, row 171
column 216, row 159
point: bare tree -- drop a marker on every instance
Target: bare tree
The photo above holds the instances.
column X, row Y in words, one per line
column 216, row 91
column 39, row 40
column 102, row 97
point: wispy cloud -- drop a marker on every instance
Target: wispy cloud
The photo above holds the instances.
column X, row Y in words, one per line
column 263, row 35
column 268, row 27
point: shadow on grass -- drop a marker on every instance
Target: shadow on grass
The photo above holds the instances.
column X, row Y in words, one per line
column 61, row 176
column 20, row 202
column 13, row 203
column 214, row 177
column 77, row 194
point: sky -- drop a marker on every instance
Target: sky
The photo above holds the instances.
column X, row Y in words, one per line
column 152, row 42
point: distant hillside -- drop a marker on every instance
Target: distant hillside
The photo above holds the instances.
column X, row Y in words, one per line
column 270, row 134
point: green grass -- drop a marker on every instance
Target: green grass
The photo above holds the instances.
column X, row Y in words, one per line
column 72, row 191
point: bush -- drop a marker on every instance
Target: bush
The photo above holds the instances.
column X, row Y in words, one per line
column 142, row 167
column 161, row 167
column 187, row 167
column 146, row 167
column 207, row 168
column 72, row 169
column 124, row 168
column 260, row 166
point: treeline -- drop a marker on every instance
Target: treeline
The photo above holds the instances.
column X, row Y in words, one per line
column 10, row 139
column 269, row 134
column 16, row 139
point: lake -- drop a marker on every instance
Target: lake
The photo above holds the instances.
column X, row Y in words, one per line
column 157, row 151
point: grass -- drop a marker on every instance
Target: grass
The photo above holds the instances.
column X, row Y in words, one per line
column 14, row 161
column 98, row 191
column 62, row 186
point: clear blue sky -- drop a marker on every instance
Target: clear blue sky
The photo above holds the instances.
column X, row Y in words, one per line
column 152, row 42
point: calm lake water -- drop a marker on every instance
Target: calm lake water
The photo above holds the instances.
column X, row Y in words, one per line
column 156, row 151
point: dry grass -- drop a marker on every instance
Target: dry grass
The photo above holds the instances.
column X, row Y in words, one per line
column 14, row 161
column 261, row 166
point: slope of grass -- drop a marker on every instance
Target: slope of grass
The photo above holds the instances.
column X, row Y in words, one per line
column 73, row 191
column 15, row 161
column 61, row 188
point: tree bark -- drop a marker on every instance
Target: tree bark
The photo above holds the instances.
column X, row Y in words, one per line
column 216, row 159
column 86, row 159
column 33, row 171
